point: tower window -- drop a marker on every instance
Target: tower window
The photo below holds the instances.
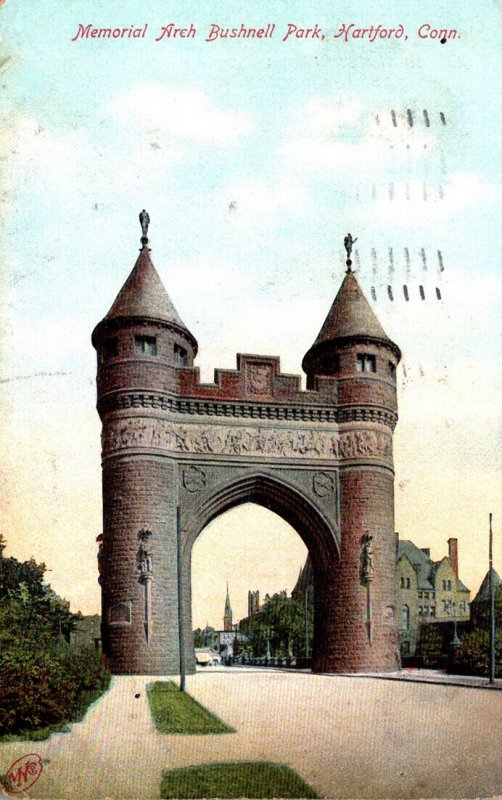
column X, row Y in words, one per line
column 366, row 363
column 110, row 347
column 180, row 355
column 146, row 345
column 392, row 370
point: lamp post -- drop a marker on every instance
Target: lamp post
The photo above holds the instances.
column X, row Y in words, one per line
column 492, row 606
column 455, row 642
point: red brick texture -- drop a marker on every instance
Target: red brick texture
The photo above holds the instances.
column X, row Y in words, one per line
column 366, row 503
column 139, row 493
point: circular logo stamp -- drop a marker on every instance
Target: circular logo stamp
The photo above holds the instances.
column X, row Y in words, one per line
column 23, row 773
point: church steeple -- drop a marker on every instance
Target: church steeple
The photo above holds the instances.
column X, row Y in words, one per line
column 227, row 617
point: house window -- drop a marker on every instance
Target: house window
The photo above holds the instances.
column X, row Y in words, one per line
column 406, row 617
column 366, row 363
column 426, row 595
column 444, row 586
column 420, row 610
column 433, row 611
column 180, row 355
column 426, row 611
column 420, row 594
column 449, row 586
column 146, row 345
column 408, row 583
column 402, row 583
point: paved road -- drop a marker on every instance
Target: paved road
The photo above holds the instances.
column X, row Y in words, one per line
column 349, row 737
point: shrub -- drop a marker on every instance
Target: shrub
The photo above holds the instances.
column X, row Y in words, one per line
column 44, row 682
column 473, row 655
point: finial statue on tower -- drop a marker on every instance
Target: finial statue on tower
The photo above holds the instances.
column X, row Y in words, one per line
column 144, row 220
column 348, row 242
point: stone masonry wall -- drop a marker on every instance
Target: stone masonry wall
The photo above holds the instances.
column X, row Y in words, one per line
column 140, row 493
column 366, row 505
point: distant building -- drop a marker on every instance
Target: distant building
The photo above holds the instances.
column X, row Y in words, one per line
column 222, row 642
column 227, row 616
column 253, row 603
column 427, row 591
column 87, row 632
column 480, row 606
column 305, row 581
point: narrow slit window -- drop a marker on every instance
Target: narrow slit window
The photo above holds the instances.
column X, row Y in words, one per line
column 146, row 345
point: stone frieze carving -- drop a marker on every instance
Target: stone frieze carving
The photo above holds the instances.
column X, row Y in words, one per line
column 272, row 442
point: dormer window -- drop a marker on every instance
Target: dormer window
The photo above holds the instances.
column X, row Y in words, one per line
column 180, row 356
column 366, row 363
column 146, row 345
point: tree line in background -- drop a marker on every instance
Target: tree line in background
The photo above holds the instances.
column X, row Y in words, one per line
column 472, row 656
column 45, row 681
column 282, row 628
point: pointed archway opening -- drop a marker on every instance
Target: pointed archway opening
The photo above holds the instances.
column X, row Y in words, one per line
column 267, row 614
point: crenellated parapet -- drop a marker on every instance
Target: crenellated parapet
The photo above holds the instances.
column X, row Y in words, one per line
column 256, row 379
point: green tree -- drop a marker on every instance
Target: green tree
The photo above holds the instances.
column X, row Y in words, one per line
column 44, row 680
column 198, row 638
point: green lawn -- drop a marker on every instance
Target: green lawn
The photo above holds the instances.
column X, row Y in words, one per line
column 176, row 712
column 246, row 779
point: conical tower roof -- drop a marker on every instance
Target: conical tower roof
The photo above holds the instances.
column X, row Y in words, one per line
column 350, row 317
column 143, row 295
column 484, row 590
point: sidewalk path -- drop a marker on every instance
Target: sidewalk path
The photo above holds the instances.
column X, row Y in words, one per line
column 349, row 737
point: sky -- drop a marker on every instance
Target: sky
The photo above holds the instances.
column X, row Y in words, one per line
column 253, row 157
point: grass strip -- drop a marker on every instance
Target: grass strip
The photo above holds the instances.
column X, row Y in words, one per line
column 235, row 779
column 176, row 712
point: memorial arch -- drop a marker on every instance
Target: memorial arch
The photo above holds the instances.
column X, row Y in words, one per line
column 176, row 453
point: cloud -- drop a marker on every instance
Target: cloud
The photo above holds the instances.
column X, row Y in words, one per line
column 345, row 137
column 183, row 112
column 256, row 199
column 59, row 159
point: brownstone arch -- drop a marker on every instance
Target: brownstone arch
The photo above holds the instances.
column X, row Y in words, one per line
column 177, row 452
column 319, row 533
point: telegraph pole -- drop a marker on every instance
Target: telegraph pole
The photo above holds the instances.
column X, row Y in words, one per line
column 180, row 602
column 492, row 606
